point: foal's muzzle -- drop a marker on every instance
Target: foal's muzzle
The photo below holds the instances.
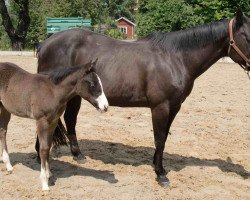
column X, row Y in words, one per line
column 102, row 103
column 105, row 109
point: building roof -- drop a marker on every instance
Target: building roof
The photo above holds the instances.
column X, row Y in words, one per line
column 124, row 18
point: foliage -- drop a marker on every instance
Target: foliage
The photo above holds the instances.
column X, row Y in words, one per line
column 172, row 15
column 15, row 20
column 213, row 10
column 37, row 28
column 100, row 11
column 114, row 33
column 118, row 8
column 5, row 43
column 161, row 15
column 165, row 15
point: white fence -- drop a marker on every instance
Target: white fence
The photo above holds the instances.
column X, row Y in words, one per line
column 16, row 53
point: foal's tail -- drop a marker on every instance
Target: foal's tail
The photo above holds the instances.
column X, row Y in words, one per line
column 60, row 135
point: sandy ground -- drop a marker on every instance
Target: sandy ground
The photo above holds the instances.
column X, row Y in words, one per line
column 207, row 155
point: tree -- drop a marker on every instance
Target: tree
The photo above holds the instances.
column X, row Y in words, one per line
column 172, row 15
column 27, row 19
column 165, row 15
column 213, row 10
column 118, row 8
column 38, row 11
column 93, row 9
column 16, row 34
column 97, row 10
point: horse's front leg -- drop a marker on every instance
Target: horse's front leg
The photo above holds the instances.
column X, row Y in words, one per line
column 70, row 117
column 162, row 118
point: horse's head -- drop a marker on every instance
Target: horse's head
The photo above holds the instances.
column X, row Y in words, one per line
column 89, row 87
column 239, row 48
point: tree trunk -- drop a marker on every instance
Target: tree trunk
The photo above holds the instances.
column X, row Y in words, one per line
column 17, row 44
column 17, row 35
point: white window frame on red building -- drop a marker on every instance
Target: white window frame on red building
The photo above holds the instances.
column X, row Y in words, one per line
column 122, row 28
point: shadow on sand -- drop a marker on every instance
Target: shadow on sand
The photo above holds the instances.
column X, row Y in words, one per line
column 118, row 153
column 61, row 169
column 114, row 153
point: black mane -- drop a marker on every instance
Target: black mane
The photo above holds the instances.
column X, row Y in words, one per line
column 189, row 38
column 59, row 74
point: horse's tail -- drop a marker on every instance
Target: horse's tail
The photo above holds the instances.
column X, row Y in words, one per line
column 38, row 61
column 39, row 56
column 60, row 135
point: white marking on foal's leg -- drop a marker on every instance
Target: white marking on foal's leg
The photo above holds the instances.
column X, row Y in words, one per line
column 102, row 100
column 6, row 160
column 48, row 172
column 44, row 179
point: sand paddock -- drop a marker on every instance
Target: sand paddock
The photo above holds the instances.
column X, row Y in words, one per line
column 207, row 154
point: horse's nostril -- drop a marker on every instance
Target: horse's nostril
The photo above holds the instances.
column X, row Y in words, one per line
column 106, row 108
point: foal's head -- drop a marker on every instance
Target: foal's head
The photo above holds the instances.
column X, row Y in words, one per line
column 89, row 87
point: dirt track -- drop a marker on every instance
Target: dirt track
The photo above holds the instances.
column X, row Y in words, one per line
column 207, row 155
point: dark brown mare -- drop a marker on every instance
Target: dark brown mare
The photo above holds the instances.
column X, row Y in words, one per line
column 44, row 98
column 157, row 71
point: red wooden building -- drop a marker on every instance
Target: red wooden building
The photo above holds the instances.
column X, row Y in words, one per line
column 127, row 27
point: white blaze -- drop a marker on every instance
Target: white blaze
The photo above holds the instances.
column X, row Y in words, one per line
column 102, row 100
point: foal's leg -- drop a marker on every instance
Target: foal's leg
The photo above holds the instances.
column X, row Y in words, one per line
column 162, row 117
column 4, row 120
column 52, row 128
column 70, row 118
column 45, row 138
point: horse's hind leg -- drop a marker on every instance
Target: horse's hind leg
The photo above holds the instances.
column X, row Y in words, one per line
column 70, row 117
column 4, row 120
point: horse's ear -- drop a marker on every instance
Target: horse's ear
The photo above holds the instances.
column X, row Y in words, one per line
column 239, row 17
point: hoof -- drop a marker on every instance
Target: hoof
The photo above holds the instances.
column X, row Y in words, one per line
column 45, row 188
column 163, row 181
column 81, row 159
column 8, row 172
column 9, row 169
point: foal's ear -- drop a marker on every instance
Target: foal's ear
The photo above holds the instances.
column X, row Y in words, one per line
column 239, row 17
column 93, row 64
column 90, row 66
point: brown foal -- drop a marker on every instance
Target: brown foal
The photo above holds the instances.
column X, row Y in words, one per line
column 43, row 97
